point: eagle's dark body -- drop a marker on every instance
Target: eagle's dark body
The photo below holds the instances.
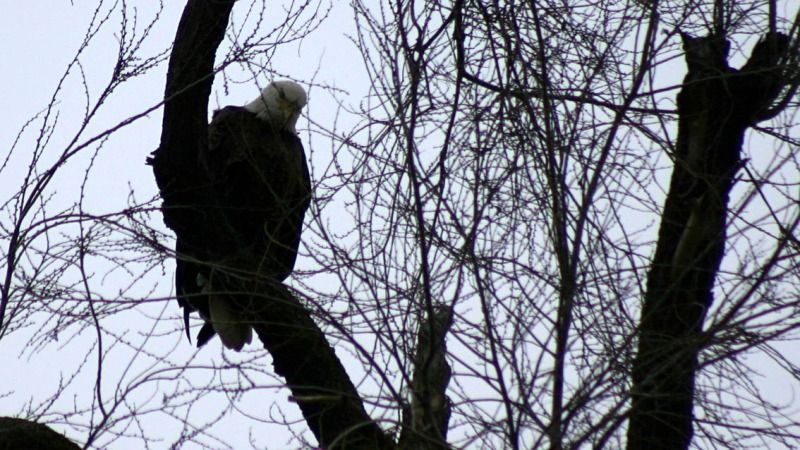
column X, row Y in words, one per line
column 249, row 218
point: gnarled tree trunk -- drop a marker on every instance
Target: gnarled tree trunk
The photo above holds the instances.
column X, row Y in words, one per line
column 716, row 105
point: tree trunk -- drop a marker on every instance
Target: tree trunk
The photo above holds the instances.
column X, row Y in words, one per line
column 715, row 107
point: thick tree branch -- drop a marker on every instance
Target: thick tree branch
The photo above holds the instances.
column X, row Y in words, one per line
column 715, row 106
column 17, row 434
column 320, row 386
column 425, row 420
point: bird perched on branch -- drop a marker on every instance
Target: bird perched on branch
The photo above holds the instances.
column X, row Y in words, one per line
column 249, row 214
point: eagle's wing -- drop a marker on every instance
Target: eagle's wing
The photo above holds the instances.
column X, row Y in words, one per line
column 259, row 181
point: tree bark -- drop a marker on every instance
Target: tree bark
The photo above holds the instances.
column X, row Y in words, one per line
column 319, row 384
column 318, row 381
column 715, row 107
column 18, row 434
column 426, row 419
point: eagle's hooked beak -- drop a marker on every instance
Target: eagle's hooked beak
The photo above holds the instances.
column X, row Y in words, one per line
column 290, row 112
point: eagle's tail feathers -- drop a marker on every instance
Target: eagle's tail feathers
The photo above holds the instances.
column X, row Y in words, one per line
column 228, row 324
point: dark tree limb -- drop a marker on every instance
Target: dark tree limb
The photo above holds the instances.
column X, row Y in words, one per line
column 185, row 123
column 425, row 420
column 319, row 384
column 16, row 434
column 715, row 107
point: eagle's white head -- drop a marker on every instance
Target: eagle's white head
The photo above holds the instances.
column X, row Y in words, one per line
column 280, row 104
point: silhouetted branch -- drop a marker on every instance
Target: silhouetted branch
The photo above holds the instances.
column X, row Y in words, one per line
column 16, row 434
column 716, row 106
column 426, row 419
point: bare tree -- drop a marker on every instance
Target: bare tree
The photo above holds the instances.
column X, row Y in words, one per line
column 495, row 258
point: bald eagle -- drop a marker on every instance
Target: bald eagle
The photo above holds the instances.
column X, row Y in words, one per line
column 249, row 213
